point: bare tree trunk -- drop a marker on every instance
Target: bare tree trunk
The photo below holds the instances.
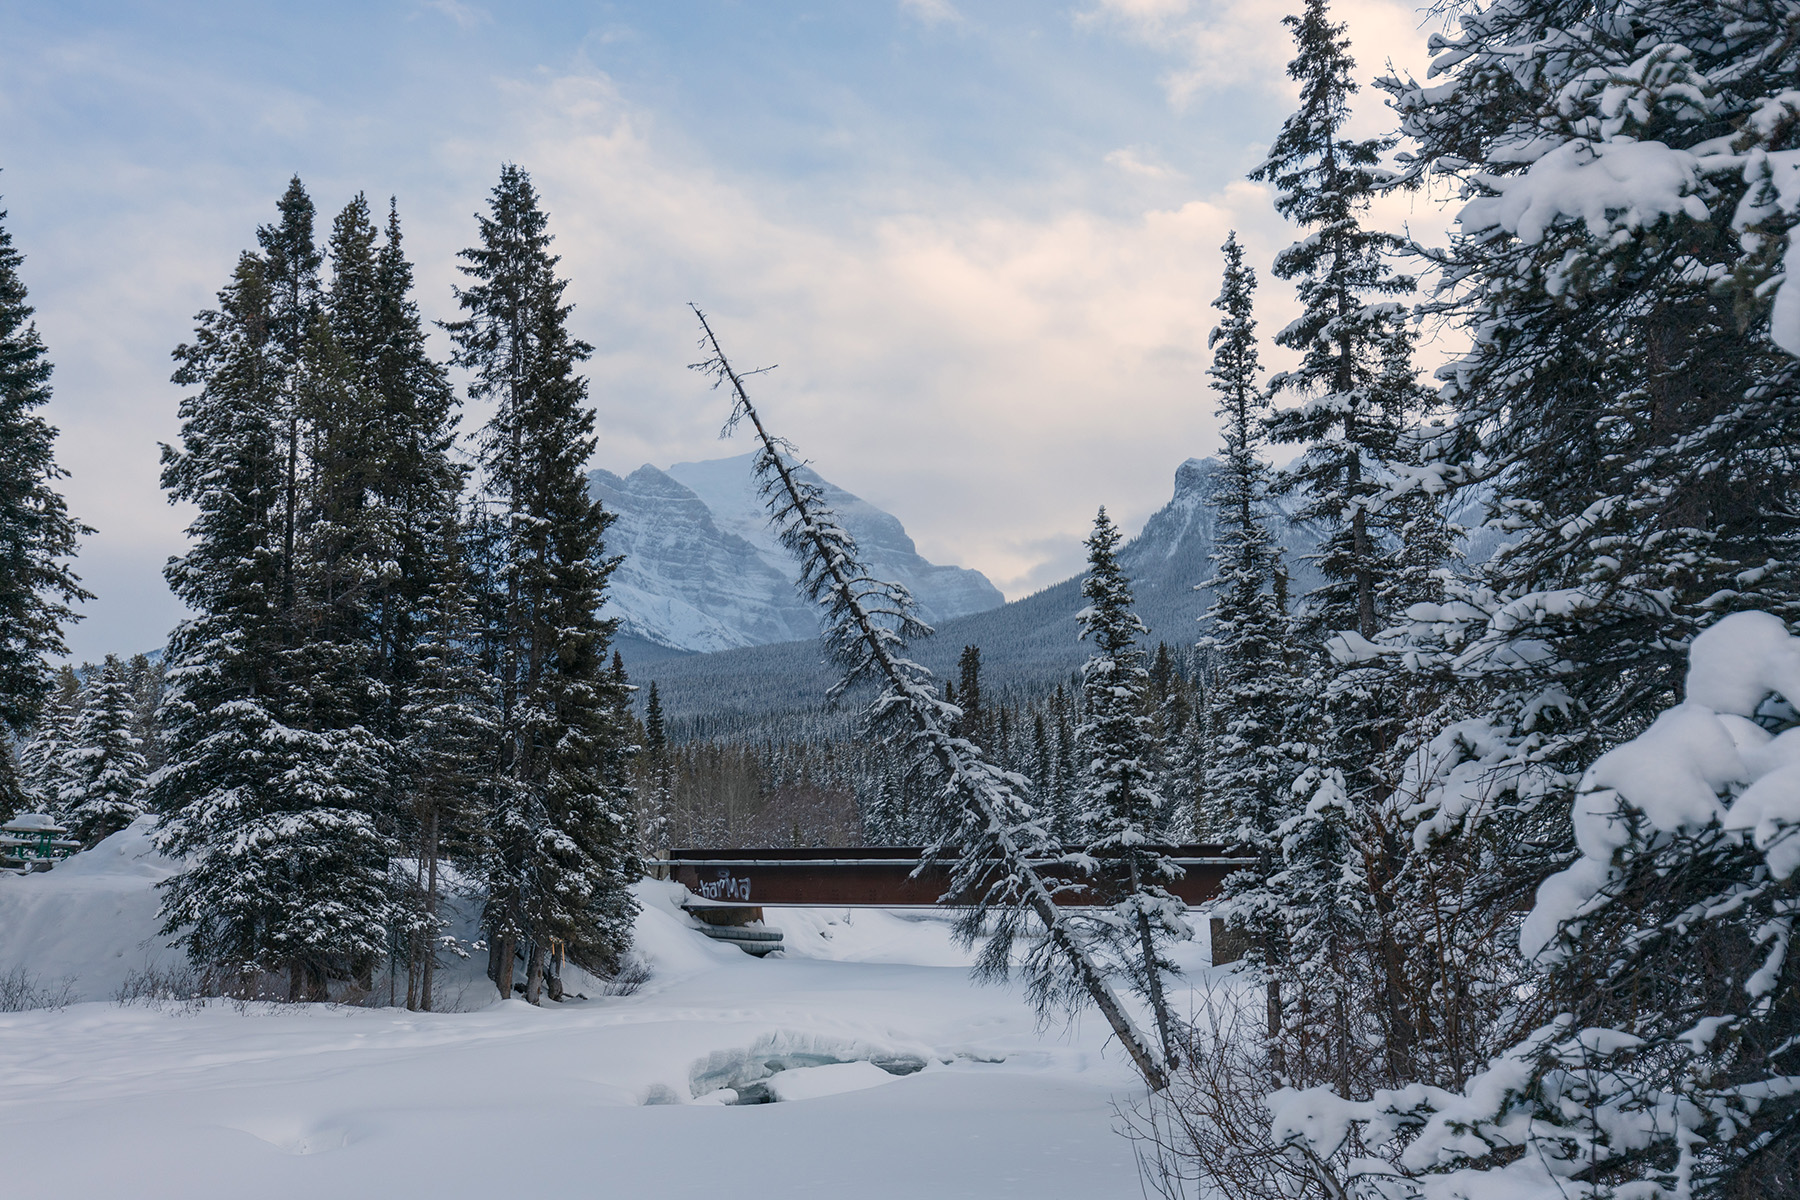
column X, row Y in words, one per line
column 553, row 984
column 412, row 941
column 1153, row 976
column 1277, row 1052
column 534, row 975
column 428, row 960
column 503, row 970
column 306, row 982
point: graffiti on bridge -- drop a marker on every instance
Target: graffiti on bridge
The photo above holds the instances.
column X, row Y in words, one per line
column 725, row 887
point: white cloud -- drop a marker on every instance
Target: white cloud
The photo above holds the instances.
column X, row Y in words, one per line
column 466, row 16
column 1145, row 10
column 990, row 377
column 1234, row 43
column 932, row 12
column 1132, row 162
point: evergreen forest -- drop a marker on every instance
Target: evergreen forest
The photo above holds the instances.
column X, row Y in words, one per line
column 1517, row 835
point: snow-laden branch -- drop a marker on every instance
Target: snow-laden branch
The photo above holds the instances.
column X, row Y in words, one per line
column 988, row 819
column 1709, row 793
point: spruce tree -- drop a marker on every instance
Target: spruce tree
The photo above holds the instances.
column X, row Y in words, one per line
column 1059, row 803
column 447, row 730
column 265, row 794
column 886, row 821
column 43, row 754
column 1121, row 814
column 653, row 822
column 104, row 768
column 1626, row 414
column 656, row 738
column 1247, row 767
column 390, row 492
column 1246, row 707
column 1348, row 330
column 1353, row 390
column 1626, row 406
column 12, row 789
column 1043, row 757
column 973, row 723
column 37, row 535
column 145, row 679
column 289, row 267
column 563, row 857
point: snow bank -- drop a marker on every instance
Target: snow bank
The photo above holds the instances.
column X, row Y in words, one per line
column 91, row 920
column 892, row 1074
column 811, row 1083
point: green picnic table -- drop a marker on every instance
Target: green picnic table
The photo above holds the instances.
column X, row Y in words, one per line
column 33, row 842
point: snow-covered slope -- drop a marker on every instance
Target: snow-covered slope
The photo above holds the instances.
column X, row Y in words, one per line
column 894, row 1075
column 704, row 572
column 685, row 582
column 91, row 922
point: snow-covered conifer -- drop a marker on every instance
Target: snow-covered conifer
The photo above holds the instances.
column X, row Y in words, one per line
column 264, row 794
column 656, row 795
column 42, row 754
column 1625, row 409
column 145, row 678
column 103, row 769
column 1057, row 804
column 974, row 721
column 1246, row 766
column 1246, row 706
column 1628, row 187
column 563, row 856
column 37, row 535
column 1353, row 388
column 1349, row 327
column 448, row 728
column 1661, row 1056
column 1624, row 412
column 1121, row 815
column 392, row 573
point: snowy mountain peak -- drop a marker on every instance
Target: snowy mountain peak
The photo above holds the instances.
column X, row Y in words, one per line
column 1181, row 531
column 1196, row 480
column 703, row 570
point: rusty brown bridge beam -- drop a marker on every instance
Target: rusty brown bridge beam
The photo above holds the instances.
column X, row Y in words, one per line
column 883, row 876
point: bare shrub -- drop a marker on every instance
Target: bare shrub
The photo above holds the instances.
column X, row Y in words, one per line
column 22, row 990
column 456, row 999
column 1207, row 1133
column 185, row 988
column 633, row 974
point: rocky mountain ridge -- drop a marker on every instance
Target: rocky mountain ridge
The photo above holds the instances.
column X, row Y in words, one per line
column 702, row 571
column 1025, row 642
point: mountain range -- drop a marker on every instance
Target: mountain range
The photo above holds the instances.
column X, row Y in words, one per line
column 703, row 571
column 707, row 606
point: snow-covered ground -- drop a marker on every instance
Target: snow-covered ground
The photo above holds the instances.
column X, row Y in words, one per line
column 894, row 1074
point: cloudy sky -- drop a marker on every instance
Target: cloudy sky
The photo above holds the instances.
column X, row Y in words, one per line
column 979, row 237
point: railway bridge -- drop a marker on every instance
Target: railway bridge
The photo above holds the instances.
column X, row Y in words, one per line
column 729, row 889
